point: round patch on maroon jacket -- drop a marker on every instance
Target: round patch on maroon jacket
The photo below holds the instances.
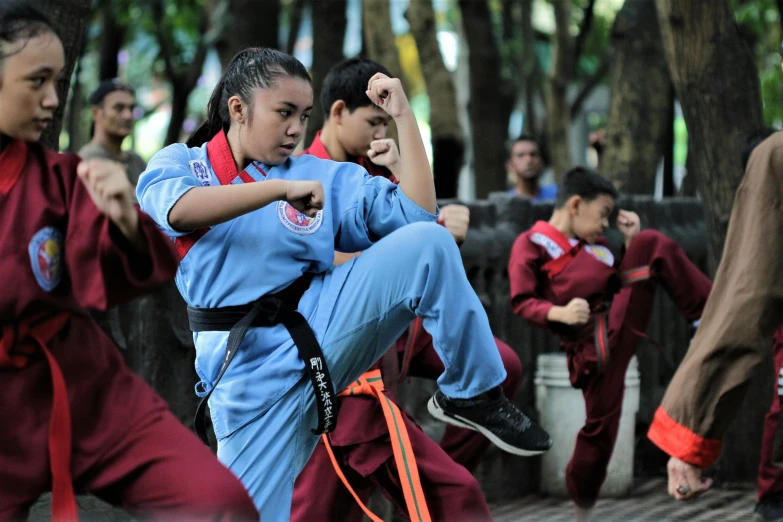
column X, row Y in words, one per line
column 46, row 257
column 297, row 222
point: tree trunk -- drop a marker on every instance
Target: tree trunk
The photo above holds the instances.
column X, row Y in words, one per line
column 690, row 184
column 448, row 146
column 490, row 100
column 640, row 101
column 558, row 114
column 179, row 108
column 379, row 40
column 76, row 134
column 71, row 18
column 329, row 23
column 295, row 22
column 251, row 24
column 112, row 38
column 530, row 66
column 183, row 82
column 717, row 84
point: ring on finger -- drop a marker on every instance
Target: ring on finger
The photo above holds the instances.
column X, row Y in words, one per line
column 683, row 489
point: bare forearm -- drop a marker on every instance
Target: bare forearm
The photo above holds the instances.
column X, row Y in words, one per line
column 208, row 206
column 414, row 170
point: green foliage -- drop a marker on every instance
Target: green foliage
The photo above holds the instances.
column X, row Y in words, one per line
column 760, row 24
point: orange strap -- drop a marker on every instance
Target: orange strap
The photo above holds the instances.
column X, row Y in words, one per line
column 371, row 383
column 15, row 348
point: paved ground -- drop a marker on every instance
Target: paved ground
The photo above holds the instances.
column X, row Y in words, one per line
column 648, row 503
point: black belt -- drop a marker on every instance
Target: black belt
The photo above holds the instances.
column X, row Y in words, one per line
column 269, row 310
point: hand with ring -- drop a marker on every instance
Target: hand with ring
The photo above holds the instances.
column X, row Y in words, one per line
column 685, row 480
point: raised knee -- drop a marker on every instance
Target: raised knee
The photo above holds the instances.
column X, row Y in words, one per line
column 430, row 236
column 653, row 237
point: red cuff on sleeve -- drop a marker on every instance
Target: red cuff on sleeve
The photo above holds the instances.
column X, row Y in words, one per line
column 681, row 443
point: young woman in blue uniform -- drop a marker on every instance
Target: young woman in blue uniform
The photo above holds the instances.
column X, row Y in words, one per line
column 256, row 231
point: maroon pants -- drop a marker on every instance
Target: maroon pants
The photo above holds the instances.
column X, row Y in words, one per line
column 770, row 480
column 452, row 493
column 127, row 448
column 629, row 318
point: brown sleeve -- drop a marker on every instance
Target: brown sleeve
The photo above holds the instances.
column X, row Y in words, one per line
column 741, row 316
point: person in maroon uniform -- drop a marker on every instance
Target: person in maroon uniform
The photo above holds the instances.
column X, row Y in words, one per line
column 769, row 500
column 355, row 130
column 77, row 419
column 564, row 279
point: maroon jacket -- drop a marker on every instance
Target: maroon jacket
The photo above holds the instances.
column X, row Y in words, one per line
column 545, row 269
column 59, row 252
column 58, row 255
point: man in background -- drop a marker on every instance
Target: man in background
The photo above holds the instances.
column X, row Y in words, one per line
column 526, row 162
column 113, row 103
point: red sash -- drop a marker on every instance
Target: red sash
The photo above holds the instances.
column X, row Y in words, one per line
column 18, row 342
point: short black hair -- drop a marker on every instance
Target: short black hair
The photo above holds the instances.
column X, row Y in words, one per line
column 585, row 183
column 109, row 86
column 347, row 81
column 754, row 141
column 531, row 139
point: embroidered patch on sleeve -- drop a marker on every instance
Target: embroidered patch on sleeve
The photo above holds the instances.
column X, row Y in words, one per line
column 201, row 171
column 601, row 253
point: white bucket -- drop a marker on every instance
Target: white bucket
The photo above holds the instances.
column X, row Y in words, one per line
column 562, row 413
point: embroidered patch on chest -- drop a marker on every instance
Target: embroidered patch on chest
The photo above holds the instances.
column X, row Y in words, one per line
column 46, row 257
column 601, row 253
column 297, row 222
column 200, row 170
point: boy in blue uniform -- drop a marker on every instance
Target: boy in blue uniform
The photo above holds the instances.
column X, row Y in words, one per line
column 256, row 226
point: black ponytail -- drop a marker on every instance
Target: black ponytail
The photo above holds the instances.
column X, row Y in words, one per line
column 255, row 67
column 19, row 20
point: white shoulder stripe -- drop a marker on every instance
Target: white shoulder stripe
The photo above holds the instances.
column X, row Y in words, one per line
column 552, row 248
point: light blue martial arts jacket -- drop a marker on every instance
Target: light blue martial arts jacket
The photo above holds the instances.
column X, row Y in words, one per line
column 236, row 262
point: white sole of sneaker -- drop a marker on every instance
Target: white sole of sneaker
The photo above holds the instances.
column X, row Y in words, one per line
column 461, row 422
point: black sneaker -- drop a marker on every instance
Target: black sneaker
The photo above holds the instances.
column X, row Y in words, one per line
column 492, row 415
column 768, row 510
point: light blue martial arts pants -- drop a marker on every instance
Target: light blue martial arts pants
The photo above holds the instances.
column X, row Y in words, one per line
column 415, row 271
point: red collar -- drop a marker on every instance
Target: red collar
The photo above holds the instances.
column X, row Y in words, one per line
column 557, row 265
column 317, row 148
column 222, row 161
column 542, row 227
column 12, row 162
